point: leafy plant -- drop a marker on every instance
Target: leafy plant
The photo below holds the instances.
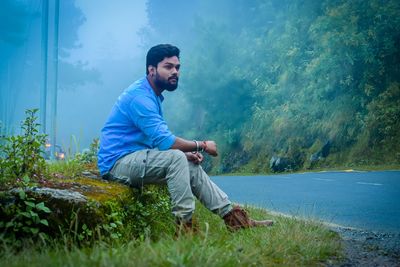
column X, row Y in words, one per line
column 22, row 155
column 25, row 217
column 89, row 155
column 85, row 234
column 113, row 225
column 149, row 212
column 143, row 214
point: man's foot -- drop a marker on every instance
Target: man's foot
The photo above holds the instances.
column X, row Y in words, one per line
column 237, row 218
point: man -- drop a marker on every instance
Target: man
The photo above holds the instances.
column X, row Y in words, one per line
column 137, row 148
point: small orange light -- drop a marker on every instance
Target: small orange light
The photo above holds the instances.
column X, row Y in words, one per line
column 48, row 145
column 61, row 155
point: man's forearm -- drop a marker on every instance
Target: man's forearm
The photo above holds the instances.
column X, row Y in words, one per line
column 199, row 146
column 184, row 145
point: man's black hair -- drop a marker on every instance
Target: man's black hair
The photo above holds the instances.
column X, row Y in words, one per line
column 157, row 54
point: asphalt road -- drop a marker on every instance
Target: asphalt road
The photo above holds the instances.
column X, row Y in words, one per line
column 365, row 200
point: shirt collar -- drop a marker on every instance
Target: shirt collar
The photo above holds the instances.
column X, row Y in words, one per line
column 148, row 87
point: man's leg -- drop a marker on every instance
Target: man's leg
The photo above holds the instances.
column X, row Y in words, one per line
column 159, row 167
column 208, row 193
column 182, row 178
column 217, row 201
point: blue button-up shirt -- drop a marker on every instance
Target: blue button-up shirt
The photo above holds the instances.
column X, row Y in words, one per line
column 136, row 122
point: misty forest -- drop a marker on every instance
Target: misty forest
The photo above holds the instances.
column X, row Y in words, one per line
column 300, row 80
column 311, row 83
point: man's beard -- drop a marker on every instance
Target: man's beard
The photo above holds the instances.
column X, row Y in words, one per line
column 165, row 84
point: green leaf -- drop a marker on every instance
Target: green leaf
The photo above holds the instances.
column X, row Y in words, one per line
column 115, row 236
column 46, row 209
column 33, row 214
column 30, row 204
column 22, row 194
column 26, row 179
column 45, row 222
column 25, row 214
column 42, row 207
column 34, row 230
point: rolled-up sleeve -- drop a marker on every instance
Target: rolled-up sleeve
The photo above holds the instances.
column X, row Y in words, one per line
column 145, row 114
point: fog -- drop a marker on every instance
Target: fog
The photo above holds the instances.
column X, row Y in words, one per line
column 108, row 43
column 264, row 78
column 99, row 55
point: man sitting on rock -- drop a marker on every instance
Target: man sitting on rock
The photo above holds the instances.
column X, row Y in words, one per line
column 137, row 148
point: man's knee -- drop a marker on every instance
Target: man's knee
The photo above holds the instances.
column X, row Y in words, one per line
column 178, row 156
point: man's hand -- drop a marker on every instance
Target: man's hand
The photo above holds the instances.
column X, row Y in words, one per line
column 211, row 148
column 196, row 158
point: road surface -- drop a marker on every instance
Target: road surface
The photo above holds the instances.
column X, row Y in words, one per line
column 365, row 200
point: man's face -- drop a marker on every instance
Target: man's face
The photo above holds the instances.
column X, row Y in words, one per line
column 167, row 73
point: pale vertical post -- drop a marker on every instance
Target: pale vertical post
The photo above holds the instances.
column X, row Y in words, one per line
column 43, row 91
column 55, row 80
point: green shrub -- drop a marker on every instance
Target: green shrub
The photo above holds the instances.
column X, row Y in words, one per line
column 22, row 155
column 148, row 213
column 89, row 155
column 24, row 217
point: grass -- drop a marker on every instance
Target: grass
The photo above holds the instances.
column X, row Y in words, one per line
column 355, row 167
column 70, row 168
column 290, row 242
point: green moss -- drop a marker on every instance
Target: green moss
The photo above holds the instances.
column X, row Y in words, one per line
column 101, row 191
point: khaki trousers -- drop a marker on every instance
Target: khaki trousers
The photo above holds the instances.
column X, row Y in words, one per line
column 184, row 180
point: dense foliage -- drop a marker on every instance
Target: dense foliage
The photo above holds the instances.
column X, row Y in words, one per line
column 282, row 78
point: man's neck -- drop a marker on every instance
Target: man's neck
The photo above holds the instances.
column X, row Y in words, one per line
column 156, row 90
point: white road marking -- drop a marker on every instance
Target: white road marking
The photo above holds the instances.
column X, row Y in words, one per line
column 369, row 183
column 321, row 179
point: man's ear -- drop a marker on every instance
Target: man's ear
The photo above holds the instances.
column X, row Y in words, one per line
column 152, row 70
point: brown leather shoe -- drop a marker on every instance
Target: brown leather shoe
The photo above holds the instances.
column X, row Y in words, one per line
column 237, row 218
